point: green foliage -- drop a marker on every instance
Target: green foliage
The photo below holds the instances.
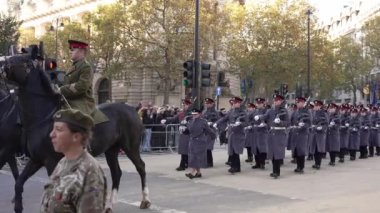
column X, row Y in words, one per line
column 371, row 31
column 9, row 33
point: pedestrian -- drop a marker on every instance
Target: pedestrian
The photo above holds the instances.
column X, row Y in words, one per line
column 78, row 183
column 198, row 130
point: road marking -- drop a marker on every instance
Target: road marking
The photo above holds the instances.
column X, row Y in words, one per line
column 152, row 207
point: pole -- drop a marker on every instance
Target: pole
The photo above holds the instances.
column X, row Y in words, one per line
column 198, row 75
column 308, row 53
column 56, row 40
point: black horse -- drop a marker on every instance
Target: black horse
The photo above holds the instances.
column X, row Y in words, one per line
column 10, row 131
column 38, row 104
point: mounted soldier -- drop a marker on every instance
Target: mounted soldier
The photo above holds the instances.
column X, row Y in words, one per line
column 333, row 133
column 301, row 122
column 77, row 86
column 211, row 115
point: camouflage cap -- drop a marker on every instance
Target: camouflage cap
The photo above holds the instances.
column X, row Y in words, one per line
column 74, row 117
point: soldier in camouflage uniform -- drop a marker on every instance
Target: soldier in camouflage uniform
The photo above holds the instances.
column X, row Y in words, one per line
column 211, row 115
column 78, row 183
column 77, row 86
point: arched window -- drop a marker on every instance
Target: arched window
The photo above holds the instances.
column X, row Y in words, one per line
column 103, row 91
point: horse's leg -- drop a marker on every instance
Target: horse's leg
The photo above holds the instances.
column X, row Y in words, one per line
column 135, row 157
column 30, row 168
column 113, row 164
column 13, row 165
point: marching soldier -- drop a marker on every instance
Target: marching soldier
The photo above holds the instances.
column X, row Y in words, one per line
column 260, row 145
column 319, row 128
column 199, row 132
column 301, row 122
column 236, row 118
column 354, row 139
column 364, row 133
column 249, row 137
column 310, row 156
column 374, row 140
column 290, row 146
column 278, row 120
column 211, row 115
column 183, row 144
column 333, row 133
column 344, row 131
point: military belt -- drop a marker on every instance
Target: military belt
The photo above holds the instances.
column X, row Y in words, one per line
column 278, row 128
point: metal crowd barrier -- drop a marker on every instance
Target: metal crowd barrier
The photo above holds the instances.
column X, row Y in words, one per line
column 163, row 138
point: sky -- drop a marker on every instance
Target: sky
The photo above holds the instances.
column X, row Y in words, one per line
column 331, row 8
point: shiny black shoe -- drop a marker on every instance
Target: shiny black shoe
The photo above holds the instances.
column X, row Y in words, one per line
column 299, row 171
column 370, row 155
column 317, row 167
column 189, row 175
column 233, row 170
column 198, row 175
column 331, row 164
column 309, row 158
column 352, row 158
column 180, row 168
column 274, row 175
column 255, row 166
column 249, row 160
column 228, row 163
column 341, row 160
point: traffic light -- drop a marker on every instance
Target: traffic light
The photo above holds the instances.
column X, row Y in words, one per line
column 188, row 74
column 205, row 73
column 50, row 64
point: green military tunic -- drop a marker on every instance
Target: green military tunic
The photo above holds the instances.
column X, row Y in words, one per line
column 77, row 186
column 77, row 89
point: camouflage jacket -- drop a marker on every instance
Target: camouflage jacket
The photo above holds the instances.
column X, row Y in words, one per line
column 77, row 87
column 76, row 186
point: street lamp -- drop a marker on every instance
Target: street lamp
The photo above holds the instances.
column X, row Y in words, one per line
column 308, row 13
column 52, row 29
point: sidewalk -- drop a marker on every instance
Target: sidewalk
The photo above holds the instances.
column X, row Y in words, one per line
column 347, row 187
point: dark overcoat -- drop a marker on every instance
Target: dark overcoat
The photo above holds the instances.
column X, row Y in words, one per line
column 198, row 131
column 260, row 142
column 300, row 135
column 278, row 136
column 211, row 115
column 354, row 139
column 318, row 143
column 333, row 133
column 365, row 130
column 183, row 142
column 374, row 135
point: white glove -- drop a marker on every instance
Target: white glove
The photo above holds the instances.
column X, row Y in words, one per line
column 262, row 124
column 184, row 122
column 256, row 117
column 366, row 127
column 249, row 127
column 277, row 120
column 319, row 128
column 332, row 123
column 347, row 124
column 237, row 123
column 209, row 123
column 182, row 129
column 354, row 129
column 163, row 121
column 301, row 124
column 377, row 125
column 215, row 126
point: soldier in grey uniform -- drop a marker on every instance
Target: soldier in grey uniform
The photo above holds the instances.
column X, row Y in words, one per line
column 249, row 136
column 364, row 133
column 211, row 115
column 78, row 183
column 319, row 129
column 310, row 156
column 198, row 130
column 236, row 119
column 183, row 144
column 354, row 139
column 301, row 122
column 278, row 120
column 290, row 146
column 333, row 133
column 261, row 129
column 374, row 140
column 344, row 131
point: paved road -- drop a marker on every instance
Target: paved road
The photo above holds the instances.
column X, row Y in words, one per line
column 344, row 188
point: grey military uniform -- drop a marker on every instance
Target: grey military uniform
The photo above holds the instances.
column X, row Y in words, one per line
column 333, row 133
column 260, row 141
column 365, row 130
column 183, row 143
column 76, row 186
column 199, row 131
column 354, row 139
column 344, row 133
column 318, row 142
column 374, row 134
column 300, row 134
column 211, row 115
